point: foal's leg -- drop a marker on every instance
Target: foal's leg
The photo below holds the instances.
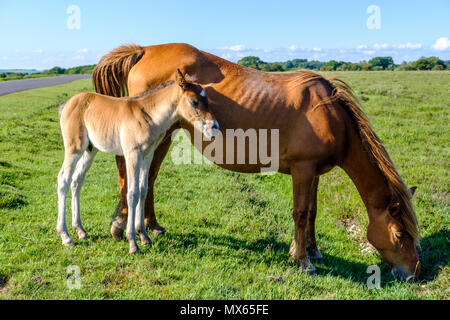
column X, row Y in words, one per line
column 302, row 181
column 143, row 186
column 134, row 162
column 120, row 222
column 64, row 180
column 77, row 183
column 311, row 245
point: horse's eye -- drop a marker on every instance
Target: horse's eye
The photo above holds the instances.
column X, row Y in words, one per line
column 398, row 235
column 195, row 103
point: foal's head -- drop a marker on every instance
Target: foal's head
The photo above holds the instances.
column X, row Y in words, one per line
column 193, row 107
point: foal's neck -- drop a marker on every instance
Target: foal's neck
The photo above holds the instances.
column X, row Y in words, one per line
column 161, row 104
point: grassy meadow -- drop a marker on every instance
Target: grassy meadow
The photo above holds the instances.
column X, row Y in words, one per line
column 228, row 233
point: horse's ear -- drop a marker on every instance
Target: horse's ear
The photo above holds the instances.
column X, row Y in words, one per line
column 394, row 209
column 181, row 81
column 412, row 190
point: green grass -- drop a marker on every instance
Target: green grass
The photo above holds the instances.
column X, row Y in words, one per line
column 227, row 232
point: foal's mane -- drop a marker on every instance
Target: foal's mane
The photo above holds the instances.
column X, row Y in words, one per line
column 343, row 94
column 154, row 89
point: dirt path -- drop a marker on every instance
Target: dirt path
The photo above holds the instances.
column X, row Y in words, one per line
column 8, row 87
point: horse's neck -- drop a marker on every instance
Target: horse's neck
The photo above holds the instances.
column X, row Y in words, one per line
column 367, row 177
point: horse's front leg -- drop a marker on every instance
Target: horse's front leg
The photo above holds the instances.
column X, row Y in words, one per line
column 302, row 182
column 311, row 245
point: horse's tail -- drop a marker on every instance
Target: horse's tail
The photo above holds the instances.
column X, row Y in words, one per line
column 111, row 73
column 374, row 147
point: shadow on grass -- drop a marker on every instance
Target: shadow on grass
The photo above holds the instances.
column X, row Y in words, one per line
column 434, row 254
column 271, row 251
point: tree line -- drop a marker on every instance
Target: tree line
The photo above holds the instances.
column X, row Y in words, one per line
column 55, row 71
column 375, row 64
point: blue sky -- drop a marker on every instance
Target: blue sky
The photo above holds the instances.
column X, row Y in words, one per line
column 34, row 34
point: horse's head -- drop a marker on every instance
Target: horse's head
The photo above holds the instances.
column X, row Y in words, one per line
column 193, row 107
column 388, row 233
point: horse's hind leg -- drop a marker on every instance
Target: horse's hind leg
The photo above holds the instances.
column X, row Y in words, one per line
column 302, row 181
column 77, row 183
column 64, row 180
column 311, row 245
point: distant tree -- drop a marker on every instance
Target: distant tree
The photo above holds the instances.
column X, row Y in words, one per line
column 251, row 62
column 428, row 63
column 56, row 70
column 382, row 62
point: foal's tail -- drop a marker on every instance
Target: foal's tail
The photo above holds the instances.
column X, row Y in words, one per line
column 111, row 73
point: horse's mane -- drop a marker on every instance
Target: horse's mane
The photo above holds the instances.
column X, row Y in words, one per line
column 372, row 144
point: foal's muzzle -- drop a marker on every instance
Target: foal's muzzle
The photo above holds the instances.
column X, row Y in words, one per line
column 211, row 129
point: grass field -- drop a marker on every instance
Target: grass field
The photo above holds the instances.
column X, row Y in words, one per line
column 227, row 232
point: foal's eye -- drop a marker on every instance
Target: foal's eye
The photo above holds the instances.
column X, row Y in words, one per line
column 195, row 103
column 398, row 235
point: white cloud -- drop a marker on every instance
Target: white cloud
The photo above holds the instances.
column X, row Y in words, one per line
column 83, row 51
column 239, row 47
column 317, row 49
column 381, row 46
column 38, row 51
column 408, row 45
column 78, row 57
column 361, row 46
column 441, row 44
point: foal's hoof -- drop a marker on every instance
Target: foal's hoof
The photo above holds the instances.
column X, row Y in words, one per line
column 314, row 254
column 68, row 243
column 135, row 251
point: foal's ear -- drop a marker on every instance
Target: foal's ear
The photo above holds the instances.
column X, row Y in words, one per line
column 181, row 81
column 394, row 209
column 412, row 190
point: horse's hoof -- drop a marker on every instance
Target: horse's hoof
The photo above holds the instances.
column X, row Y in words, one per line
column 146, row 241
column 158, row 231
column 116, row 232
column 82, row 235
column 315, row 255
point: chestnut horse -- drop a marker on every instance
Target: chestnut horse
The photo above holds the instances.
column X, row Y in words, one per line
column 320, row 126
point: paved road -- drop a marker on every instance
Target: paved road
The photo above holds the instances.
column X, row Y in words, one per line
column 8, row 87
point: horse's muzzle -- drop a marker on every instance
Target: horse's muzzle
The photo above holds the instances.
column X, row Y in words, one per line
column 402, row 275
